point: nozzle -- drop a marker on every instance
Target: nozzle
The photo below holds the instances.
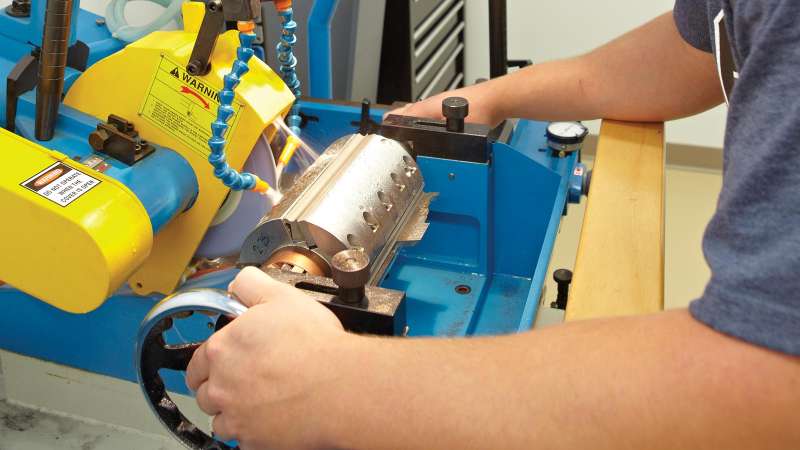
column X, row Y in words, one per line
column 292, row 144
column 263, row 188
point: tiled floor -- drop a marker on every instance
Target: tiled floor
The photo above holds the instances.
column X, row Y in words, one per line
column 28, row 429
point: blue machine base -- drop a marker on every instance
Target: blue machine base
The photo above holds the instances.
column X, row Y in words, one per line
column 478, row 271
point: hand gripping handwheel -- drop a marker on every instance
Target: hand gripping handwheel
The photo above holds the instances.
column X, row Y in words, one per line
column 153, row 354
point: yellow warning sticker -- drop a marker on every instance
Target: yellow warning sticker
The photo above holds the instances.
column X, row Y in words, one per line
column 184, row 106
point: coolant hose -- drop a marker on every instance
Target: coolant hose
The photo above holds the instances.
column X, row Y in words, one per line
column 120, row 29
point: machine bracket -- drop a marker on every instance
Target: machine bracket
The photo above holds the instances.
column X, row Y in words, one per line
column 213, row 23
column 25, row 76
column 218, row 13
column 119, row 139
column 426, row 137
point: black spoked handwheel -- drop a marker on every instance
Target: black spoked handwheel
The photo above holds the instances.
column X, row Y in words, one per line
column 154, row 354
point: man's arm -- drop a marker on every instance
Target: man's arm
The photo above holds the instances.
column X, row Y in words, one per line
column 285, row 375
column 648, row 74
column 658, row 382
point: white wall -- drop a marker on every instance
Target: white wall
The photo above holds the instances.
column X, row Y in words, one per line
column 547, row 30
column 541, row 31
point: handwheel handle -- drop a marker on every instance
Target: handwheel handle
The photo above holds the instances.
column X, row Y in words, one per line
column 152, row 354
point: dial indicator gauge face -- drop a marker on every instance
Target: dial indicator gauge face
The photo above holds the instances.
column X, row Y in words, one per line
column 567, row 130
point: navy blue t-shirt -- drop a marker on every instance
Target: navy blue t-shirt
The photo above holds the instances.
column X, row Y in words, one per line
column 753, row 242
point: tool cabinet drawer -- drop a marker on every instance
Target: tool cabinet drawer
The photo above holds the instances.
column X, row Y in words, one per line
column 430, row 42
column 420, row 10
column 444, row 78
column 423, row 49
column 448, row 50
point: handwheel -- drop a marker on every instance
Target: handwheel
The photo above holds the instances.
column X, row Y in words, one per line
column 153, row 354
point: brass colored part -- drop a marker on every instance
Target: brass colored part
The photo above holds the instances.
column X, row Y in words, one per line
column 301, row 258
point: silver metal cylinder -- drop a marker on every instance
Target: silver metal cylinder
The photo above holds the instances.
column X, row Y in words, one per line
column 363, row 192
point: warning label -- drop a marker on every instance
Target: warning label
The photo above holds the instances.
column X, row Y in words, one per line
column 184, row 106
column 60, row 184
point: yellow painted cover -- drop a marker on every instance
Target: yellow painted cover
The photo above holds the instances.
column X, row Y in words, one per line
column 147, row 84
column 70, row 236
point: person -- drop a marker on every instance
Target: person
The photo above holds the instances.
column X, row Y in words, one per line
column 722, row 374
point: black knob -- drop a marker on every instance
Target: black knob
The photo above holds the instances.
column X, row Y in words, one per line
column 563, row 278
column 350, row 270
column 455, row 110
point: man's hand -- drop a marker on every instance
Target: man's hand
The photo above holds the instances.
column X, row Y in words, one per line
column 263, row 375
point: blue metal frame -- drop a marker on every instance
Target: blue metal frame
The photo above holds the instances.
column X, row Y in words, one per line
column 29, row 29
column 319, row 48
column 492, row 229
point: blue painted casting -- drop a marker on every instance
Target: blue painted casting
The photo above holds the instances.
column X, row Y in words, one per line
column 479, row 270
column 319, row 50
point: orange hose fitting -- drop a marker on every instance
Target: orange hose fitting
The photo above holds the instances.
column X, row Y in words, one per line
column 283, row 5
column 246, row 26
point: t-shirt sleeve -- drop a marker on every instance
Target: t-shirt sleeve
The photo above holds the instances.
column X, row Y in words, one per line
column 691, row 18
column 753, row 242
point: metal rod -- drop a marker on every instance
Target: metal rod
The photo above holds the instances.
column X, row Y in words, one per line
column 498, row 38
column 52, row 61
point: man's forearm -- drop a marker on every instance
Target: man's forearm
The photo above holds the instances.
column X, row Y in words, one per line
column 656, row 382
column 648, row 74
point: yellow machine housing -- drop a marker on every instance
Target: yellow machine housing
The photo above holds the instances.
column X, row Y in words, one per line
column 147, row 84
column 77, row 234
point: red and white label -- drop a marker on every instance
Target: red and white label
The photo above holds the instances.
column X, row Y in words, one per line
column 60, row 184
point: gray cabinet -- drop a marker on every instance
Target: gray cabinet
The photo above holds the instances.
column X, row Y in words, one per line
column 423, row 49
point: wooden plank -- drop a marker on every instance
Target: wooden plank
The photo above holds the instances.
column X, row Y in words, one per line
column 619, row 269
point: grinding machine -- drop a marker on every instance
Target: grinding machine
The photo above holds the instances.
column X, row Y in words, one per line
column 139, row 179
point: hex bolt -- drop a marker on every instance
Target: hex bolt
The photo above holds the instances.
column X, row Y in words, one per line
column 455, row 110
column 350, row 271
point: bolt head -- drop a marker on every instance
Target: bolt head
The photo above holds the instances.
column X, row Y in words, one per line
column 350, row 268
column 455, row 108
column 193, row 68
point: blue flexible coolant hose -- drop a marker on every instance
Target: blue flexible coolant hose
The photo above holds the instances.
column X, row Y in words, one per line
column 288, row 68
column 230, row 177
